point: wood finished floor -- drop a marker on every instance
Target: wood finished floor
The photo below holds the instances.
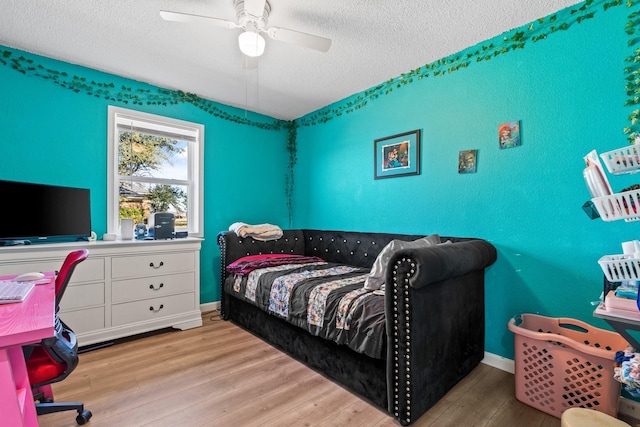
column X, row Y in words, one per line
column 221, row 375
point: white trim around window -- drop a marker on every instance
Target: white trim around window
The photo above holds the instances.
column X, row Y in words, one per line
column 193, row 133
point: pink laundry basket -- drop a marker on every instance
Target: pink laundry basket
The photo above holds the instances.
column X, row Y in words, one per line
column 564, row 363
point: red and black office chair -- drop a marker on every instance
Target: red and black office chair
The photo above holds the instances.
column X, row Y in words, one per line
column 54, row 358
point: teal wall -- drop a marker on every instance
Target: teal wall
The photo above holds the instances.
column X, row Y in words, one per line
column 569, row 93
column 55, row 135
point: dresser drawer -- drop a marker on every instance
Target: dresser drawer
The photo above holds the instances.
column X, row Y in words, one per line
column 152, row 264
column 82, row 295
column 152, row 287
column 87, row 320
column 146, row 310
column 27, row 267
column 90, row 270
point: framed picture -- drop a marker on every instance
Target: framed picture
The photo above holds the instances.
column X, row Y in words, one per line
column 397, row 155
column 467, row 161
column 509, row 135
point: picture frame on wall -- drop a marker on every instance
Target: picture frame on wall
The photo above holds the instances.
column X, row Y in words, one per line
column 509, row 135
column 397, row 155
column 467, row 161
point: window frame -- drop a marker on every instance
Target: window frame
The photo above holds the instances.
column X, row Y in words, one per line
column 195, row 182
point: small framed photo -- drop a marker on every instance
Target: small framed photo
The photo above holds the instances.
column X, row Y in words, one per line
column 509, row 135
column 397, row 155
column 467, row 161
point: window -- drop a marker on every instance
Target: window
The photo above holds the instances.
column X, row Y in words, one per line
column 154, row 165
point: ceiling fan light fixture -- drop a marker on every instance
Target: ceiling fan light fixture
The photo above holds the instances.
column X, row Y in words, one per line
column 251, row 43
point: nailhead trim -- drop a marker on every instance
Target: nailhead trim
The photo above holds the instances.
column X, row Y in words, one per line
column 222, row 242
column 402, row 366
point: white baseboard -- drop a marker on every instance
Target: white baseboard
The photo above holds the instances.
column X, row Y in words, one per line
column 210, row 306
column 499, row 362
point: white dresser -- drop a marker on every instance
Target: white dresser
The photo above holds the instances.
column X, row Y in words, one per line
column 124, row 287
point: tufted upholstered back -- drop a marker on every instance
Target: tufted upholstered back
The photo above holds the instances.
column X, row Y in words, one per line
column 234, row 247
column 346, row 247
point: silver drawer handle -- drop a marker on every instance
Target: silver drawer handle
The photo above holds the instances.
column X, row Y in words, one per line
column 159, row 308
column 158, row 266
column 153, row 288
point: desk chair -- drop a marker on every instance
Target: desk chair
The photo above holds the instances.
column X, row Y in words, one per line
column 54, row 358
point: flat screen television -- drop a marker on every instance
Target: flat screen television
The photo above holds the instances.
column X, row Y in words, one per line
column 41, row 213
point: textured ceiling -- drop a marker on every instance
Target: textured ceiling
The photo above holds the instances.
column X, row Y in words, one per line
column 373, row 41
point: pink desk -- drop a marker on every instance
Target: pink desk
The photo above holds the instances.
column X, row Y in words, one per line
column 22, row 323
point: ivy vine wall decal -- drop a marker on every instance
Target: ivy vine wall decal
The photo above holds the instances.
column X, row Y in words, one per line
column 127, row 95
column 632, row 74
column 293, row 158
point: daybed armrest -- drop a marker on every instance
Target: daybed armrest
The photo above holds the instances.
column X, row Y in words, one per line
column 441, row 262
column 434, row 309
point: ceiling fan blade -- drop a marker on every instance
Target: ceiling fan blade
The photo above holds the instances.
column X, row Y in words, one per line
column 254, row 7
column 189, row 18
column 301, row 39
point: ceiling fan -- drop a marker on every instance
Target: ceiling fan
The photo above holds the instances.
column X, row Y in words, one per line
column 252, row 16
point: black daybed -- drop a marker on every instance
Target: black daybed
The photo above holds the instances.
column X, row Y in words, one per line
column 401, row 347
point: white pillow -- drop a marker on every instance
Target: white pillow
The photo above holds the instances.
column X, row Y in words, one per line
column 376, row 277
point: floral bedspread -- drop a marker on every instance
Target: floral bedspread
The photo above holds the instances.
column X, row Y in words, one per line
column 325, row 299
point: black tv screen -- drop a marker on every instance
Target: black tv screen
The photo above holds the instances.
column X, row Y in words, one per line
column 40, row 213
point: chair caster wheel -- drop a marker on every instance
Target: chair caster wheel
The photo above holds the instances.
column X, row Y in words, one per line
column 84, row 417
